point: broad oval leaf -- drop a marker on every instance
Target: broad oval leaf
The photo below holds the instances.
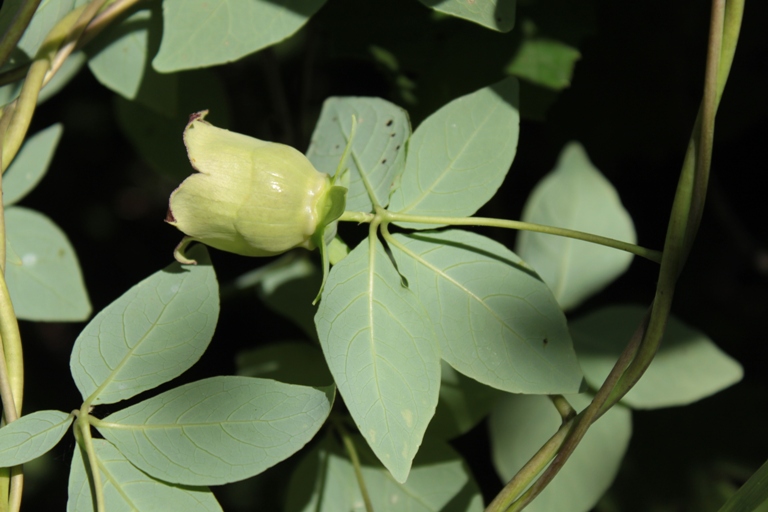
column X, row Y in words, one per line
column 439, row 481
column 120, row 60
column 382, row 352
column 378, row 150
column 575, row 196
column 31, row 436
column 128, row 489
column 199, row 33
column 497, row 15
column 458, row 157
column 496, row 321
column 687, row 367
column 153, row 333
column 30, row 164
column 521, row 424
column 42, row 271
column 218, row 430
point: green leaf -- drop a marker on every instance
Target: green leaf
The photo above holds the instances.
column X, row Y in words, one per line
column 687, row 367
column 153, row 333
column 497, row 15
column 382, row 352
column 463, row 403
column 217, row 430
column 120, row 60
column 48, row 13
column 31, row 163
column 128, row 489
column 521, row 424
column 42, row 272
column 496, row 321
column 159, row 138
column 440, row 481
column 753, row 494
column 575, row 196
column 377, row 151
column 291, row 362
column 458, row 157
column 546, row 62
column 31, row 436
column 199, row 33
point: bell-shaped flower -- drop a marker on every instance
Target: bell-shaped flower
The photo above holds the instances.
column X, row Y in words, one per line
column 249, row 197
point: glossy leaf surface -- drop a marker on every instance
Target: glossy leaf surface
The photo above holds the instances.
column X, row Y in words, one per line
column 153, row 333
column 575, row 196
column 218, row 430
column 382, row 353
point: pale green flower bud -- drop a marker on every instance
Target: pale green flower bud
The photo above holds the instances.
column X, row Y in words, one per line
column 249, row 197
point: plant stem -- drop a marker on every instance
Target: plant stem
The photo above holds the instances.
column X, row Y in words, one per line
column 83, row 435
column 16, row 29
column 564, row 409
column 349, row 445
column 388, row 216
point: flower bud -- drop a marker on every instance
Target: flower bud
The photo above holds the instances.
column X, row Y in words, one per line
column 249, row 197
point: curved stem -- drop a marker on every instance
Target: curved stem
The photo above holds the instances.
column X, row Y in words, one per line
column 16, row 29
column 349, row 445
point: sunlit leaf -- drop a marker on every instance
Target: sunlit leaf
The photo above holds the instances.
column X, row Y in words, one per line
column 153, row 333
column 575, row 196
column 30, row 164
column 687, row 367
column 494, row 14
column 42, row 271
column 128, row 489
column 382, row 353
column 120, row 59
column 521, row 424
column 496, row 321
column 199, row 33
column 218, row 430
column 458, row 157
column 31, row 436
column 439, row 481
column 546, row 62
column 378, row 149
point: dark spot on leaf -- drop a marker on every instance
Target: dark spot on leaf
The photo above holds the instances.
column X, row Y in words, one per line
column 384, row 161
column 545, row 341
column 391, row 134
column 498, row 19
column 337, row 146
column 397, row 147
column 389, row 123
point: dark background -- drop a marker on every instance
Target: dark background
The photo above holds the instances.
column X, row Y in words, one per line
column 632, row 104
